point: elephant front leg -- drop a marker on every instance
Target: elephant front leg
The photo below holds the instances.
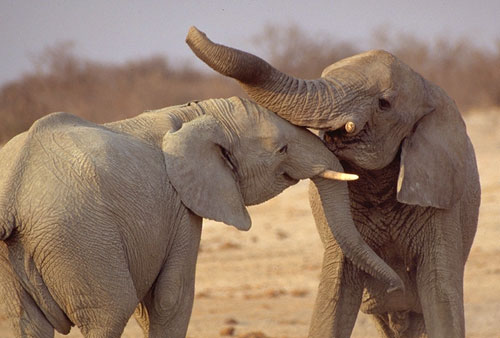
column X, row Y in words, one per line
column 440, row 280
column 339, row 296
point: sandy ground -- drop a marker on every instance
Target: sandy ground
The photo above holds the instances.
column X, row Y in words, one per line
column 265, row 280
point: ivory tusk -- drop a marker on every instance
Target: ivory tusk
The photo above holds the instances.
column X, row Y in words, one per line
column 350, row 127
column 335, row 175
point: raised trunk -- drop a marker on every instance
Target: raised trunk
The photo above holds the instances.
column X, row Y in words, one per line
column 296, row 100
column 334, row 199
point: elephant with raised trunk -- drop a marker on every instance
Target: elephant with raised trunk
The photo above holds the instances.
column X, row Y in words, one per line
column 417, row 200
column 99, row 220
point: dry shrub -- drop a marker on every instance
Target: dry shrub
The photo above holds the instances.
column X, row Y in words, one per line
column 227, row 331
column 100, row 92
column 229, row 246
column 231, row 321
column 469, row 74
column 256, row 334
column 299, row 292
column 295, row 52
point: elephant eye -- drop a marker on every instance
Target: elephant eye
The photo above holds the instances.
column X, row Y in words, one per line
column 383, row 104
column 283, row 149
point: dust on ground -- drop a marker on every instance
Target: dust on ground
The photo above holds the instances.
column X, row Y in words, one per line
column 264, row 281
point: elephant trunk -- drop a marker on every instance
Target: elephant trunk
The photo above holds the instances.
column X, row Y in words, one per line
column 296, row 100
column 334, row 199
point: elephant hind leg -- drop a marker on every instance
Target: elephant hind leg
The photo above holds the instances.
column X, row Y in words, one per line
column 29, row 321
column 25, row 317
column 400, row 324
column 95, row 286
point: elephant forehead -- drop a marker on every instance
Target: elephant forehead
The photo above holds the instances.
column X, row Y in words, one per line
column 264, row 126
column 370, row 69
column 257, row 140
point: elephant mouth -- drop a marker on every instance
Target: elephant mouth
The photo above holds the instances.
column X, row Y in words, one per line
column 338, row 140
column 334, row 140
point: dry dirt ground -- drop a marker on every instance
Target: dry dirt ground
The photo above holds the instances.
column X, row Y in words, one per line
column 265, row 280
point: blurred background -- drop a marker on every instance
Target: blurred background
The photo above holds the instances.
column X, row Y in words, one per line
column 107, row 60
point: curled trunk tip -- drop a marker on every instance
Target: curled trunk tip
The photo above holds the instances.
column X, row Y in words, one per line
column 242, row 66
column 335, row 207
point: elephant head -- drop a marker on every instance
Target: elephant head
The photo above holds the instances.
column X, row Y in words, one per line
column 373, row 112
column 371, row 108
column 237, row 153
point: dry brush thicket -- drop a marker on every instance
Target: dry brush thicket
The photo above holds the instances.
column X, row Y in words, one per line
column 62, row 81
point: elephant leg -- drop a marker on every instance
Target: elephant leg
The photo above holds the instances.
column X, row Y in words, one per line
column 91, row 281
column 440, row 279
column 339, row 296
column 400, row 324
column 171, row 301
column 26, row 319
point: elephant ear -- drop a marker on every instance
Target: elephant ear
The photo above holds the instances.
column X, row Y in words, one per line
column 432, row 172
column 197, row 170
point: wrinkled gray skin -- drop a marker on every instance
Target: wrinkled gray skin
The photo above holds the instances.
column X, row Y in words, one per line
column 99, row 220
column 416, row 202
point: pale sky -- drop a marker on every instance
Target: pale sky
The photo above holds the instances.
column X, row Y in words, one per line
column 121, row 30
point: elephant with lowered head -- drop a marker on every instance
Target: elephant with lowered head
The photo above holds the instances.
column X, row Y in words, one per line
column 99, row 220
column 416, row 202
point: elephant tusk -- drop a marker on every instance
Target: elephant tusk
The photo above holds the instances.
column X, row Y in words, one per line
column 350, row 127
column 335, row 175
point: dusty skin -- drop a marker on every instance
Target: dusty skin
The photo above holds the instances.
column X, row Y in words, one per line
column 264, row 281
